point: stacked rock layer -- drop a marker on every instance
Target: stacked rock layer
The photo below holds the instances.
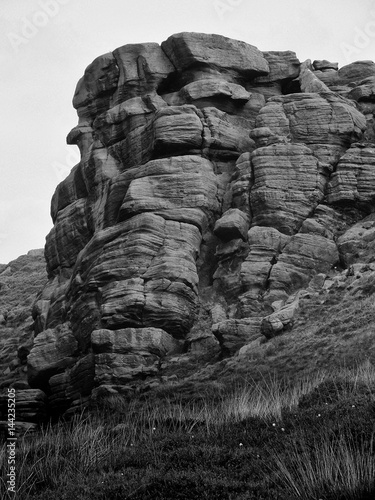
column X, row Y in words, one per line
column 215, row 182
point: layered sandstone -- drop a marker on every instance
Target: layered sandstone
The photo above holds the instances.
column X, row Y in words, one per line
column 213, row 186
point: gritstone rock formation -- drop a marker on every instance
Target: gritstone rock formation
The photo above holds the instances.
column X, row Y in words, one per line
column 215, row 182
column 20, row 281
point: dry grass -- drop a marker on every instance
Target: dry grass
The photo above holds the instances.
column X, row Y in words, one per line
column 330, row 331
column 340, row 469
column 93, row 446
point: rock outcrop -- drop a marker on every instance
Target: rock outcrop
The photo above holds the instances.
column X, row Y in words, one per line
column 215, row 182
column 20, row 281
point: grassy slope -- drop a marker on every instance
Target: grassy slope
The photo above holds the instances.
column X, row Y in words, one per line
column 282, row 421
column 310, row 441
column 333, row 328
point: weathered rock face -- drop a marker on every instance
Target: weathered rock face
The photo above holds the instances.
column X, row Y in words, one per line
column 215, row 183
column 288, row 185
column 353, row 180
column 356, row 245
column 20, row 282
column 223, row 55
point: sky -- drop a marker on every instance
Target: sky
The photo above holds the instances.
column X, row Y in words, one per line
column 45, row 46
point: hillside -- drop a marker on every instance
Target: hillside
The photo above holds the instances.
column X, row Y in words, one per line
column 20, row 282
column 204, row 325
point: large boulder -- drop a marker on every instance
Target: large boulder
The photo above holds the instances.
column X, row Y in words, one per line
column 356, row 72
column 219, row 53
column 280, row 320
column 232, row 225
column 284, row 68
column 357, row 244
column 283, row 65
column 54, row 350
column 235, row 333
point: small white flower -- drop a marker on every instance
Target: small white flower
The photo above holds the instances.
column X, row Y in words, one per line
column 273, row 425
column 319, row 415
column 241, row 444
column 353, row 406
column 282, row 428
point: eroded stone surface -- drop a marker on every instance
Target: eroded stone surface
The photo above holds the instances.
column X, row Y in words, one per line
column 220, row 53
column 281, row 319
column 354, row 179
column 303, row 256
column 233, row 334
column 357, row 244
column 232, row 225
column 215, row 183
column 288, row 185
column 53, row 351
column 30, row 411
column 326, row 123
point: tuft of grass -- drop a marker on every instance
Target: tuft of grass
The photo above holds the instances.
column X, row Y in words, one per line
column 337, row 470
column 55, row 453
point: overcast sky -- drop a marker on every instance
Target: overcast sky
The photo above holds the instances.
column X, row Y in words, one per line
column 45, row 46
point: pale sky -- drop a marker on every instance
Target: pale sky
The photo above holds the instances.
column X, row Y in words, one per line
column 45, row 46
